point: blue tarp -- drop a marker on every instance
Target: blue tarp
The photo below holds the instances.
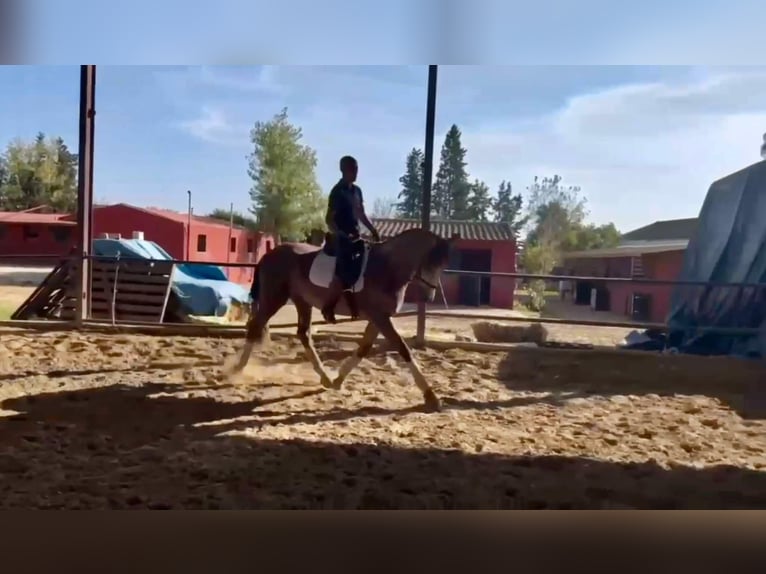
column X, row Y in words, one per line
column 202, row 289
column 729, row 247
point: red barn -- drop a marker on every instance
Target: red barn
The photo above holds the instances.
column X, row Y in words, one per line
column 655, row 251
column 33, row 234
column 203, row 239
column 482, row 246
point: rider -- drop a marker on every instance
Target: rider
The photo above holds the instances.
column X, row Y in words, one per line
column 344, row 212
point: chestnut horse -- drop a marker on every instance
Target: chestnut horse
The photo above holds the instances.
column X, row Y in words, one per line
column 302, row 273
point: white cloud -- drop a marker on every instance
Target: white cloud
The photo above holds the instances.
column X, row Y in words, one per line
column 640, row 152
column 263, row 80
column 214, row 127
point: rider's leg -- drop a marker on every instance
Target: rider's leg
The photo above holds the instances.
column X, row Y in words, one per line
column 335, row 289
column 333, row 296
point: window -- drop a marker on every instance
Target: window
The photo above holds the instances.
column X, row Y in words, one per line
column 61, row 234
column 201, row 243
column 31, row 232
column 233, row 245
column 249, row 245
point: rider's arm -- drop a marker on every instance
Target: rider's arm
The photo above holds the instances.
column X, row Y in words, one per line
column 330, row 216
column 359, row 205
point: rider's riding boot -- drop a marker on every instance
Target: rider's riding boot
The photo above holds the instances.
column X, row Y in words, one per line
column 333, row 296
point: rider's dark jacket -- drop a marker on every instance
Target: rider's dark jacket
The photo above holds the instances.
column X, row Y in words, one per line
column 341, row 204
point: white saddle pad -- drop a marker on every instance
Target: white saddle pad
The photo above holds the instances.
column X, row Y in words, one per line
column 323, row 269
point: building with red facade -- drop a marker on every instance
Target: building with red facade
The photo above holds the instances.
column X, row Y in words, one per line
column 482, row 246
column 35, row 235
column 194, row 238
column 655, row 251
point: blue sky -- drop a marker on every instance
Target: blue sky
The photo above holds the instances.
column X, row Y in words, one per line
column 644, row 143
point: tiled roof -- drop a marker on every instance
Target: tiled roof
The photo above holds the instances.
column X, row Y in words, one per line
column 178, row 216
column 630, row 250
column 481, row 230
column 664, row 230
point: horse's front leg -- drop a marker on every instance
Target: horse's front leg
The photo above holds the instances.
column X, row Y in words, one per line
column 364, row 348
column 387, row 329
column 304, row 335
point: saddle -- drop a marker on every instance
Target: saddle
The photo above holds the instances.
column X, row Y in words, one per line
column 349, row 266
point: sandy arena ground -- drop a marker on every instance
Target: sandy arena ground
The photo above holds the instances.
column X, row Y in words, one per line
column 116, row 421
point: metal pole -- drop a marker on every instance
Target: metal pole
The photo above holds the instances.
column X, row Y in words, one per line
column 428, row 168
column 231, row 229
column 85, row 190
column 188, row 224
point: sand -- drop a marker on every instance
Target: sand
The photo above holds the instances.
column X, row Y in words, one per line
column 115, row 421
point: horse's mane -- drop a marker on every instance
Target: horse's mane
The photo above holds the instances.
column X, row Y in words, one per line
column 438, row 251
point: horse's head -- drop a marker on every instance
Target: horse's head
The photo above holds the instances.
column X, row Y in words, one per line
column 432, row 265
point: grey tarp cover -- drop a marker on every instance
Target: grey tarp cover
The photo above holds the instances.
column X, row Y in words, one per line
column 729, row 247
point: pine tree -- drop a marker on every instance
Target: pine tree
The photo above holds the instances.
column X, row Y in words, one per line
column 451, row 187
column 507, row 207
column 479, row 202
column 411, row 195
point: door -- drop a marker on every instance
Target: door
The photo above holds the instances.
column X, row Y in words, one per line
column 474, row 290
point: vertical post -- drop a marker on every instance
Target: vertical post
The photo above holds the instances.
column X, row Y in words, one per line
column 428, row 168
column 228, row 247
column 188, row 226
column 85, row 190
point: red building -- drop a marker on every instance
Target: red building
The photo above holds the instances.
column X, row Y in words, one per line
column 33, row 235
column 203, row 239
column 655, row 251
column 482, row 246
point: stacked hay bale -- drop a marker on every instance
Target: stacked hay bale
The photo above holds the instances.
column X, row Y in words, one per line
column 496, row 332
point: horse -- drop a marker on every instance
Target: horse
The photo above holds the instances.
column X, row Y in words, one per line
column 302, row 273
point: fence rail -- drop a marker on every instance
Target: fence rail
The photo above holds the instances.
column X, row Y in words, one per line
column 533, row 276
column 458, row 315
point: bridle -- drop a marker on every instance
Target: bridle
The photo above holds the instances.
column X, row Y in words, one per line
column 419, row 277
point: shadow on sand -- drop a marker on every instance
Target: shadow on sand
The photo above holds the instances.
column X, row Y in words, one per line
column 738, row 383
column 135, row 447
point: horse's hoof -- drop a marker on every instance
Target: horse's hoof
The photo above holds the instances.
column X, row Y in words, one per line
column 327, row 383
column 336, row 384
column 432, row 402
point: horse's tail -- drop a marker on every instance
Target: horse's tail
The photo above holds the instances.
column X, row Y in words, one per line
column 255, row 288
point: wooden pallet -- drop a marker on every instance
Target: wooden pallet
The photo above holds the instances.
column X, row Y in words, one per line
column 143, row 290
column 126, row 290
column 47, row 297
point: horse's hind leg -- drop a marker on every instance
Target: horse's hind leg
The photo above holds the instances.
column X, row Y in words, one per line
column 304, row 335
column 258, row 328
column 388, row 330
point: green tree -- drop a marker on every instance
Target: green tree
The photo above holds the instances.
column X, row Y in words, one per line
column 554, row 210
column 591, row 236
column 411, row 195
column 479, row 202
column 38, row 173
column 508, row 207
column 451, row 187
column 238, row 218
column 286, row 196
